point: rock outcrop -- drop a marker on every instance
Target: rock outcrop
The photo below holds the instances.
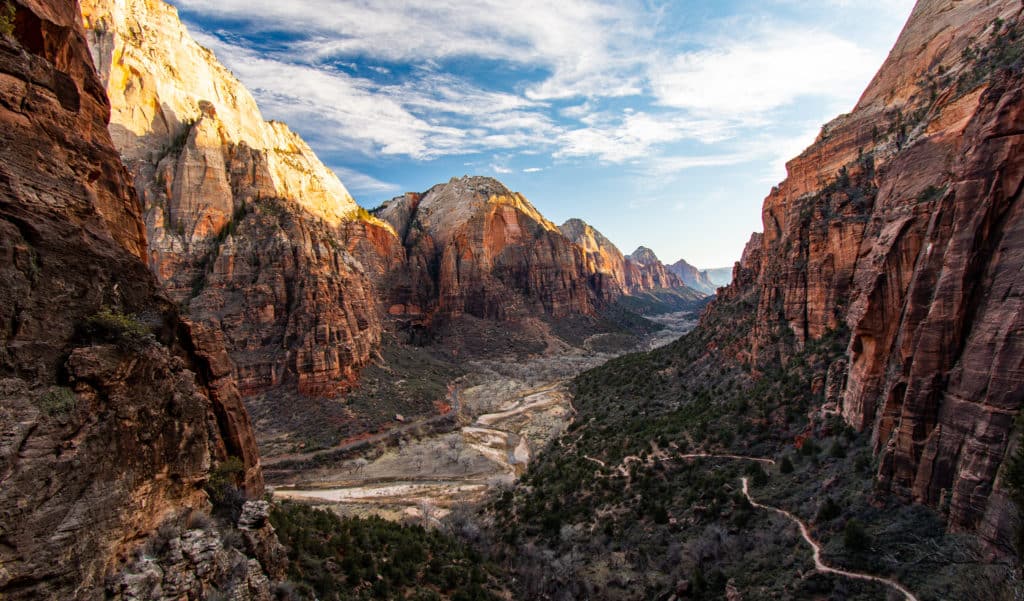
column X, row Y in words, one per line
column 903, row 223
column 693, row 277
column 634, row 274
column 603, row 257
column 476, row 248
column 115, row 408
column 645, row 271
column 246, row 226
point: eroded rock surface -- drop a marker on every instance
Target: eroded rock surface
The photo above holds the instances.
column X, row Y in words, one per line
column 903, row 224
column 246, row 226
column 115, row 408
column 477, row 248
column 620, row 274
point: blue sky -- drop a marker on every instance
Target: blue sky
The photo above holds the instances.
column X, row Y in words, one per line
column 661, row 123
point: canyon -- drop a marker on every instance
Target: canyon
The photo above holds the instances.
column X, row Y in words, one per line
column 255, row 237
column 194, row 307
column 505, row 414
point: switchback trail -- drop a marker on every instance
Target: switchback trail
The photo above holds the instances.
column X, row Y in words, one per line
column 816, row 548
column 805, row 532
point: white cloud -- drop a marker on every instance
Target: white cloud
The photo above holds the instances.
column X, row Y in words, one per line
column 422, row 118
column 715, row 99
column 744, row 76
column 635, row 135
column 360, row 183
column 588, row 46
column 533, row 170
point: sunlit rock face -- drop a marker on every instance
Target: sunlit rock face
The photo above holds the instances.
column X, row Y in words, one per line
column 114, row 407
column 903, row 224
column 159, row 80
column 645, row 271
column 247, row 228
column 640, row 272
column 477, row 248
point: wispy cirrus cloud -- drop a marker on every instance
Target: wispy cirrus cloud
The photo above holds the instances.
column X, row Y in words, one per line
column 421, row 118
column 585, row 49
column 616, row 138
column 710, row 97
column 360, row 183
column 581, row 43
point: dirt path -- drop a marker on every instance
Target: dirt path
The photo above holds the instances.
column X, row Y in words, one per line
column 737, row 457
column 816, row 548
column 805, row 532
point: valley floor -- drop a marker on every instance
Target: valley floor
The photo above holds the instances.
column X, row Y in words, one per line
column 505, row 412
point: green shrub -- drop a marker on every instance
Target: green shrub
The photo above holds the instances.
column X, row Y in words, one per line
column 1014, row 478
column 177, row 144
column 7, row 14
column 828, row 511
column 786, row 466
column 224, row 487
column 58, row 401
column 855, row 537
column 115, row 327
column 809, row 448
column 330, row 556
column 757, row 474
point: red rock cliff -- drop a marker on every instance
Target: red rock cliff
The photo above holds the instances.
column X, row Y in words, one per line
column 247, row 227
column 640, row 272
column 114, row 408
column 903, row 223
column 645, row 271
column 475, row 247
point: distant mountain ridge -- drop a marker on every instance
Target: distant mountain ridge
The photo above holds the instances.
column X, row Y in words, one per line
column 642, row 271
column 719, row 276
column 693, row 277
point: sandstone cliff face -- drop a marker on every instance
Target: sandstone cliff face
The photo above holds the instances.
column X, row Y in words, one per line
column 693, row 277
column 903, row 224
column 640, row 272
column 602, row 255
column 645, row 271
column 477, row 248
column 246, row 226
column 114, row 407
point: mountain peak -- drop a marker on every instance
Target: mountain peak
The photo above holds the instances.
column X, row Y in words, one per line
column 184, row 84
column 587, row 236
column 692, row 277
column 644, row 256
column 445, row 207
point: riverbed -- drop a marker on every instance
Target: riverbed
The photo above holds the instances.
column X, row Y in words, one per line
column 508, row 412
